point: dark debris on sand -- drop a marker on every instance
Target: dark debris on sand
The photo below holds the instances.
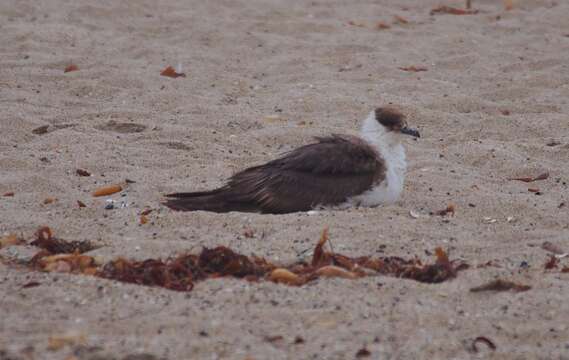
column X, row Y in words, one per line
column 181, row 272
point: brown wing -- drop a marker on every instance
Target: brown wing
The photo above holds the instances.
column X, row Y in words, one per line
column 327, row 172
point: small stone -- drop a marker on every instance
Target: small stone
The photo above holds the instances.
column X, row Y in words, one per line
column 553, row 142
column 41, row 130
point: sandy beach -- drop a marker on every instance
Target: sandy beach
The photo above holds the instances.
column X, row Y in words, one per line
column 263, row 77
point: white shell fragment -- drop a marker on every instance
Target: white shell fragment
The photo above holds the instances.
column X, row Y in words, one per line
column 414, row 214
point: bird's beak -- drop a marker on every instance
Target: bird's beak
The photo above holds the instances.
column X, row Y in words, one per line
column 409, row 131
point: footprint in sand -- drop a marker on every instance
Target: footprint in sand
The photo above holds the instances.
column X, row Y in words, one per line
column 123, row 128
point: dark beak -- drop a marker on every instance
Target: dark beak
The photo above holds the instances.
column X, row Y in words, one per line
column 409, row 131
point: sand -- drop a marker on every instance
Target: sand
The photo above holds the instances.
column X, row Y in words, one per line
column 262, row 78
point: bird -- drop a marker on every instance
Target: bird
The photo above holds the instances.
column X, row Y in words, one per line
column 338, row 171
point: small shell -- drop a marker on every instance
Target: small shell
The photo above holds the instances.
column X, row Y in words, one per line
column 336, row 271
column 107, row 190
column 285, row 276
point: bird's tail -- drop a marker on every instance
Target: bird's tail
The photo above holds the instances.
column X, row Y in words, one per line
column 214, row 200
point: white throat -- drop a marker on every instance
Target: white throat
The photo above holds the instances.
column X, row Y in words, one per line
column 389, row 146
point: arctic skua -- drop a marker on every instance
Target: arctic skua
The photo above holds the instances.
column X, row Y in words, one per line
column 337, row 171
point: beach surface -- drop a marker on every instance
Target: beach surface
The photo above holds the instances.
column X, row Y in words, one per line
column 488, row 91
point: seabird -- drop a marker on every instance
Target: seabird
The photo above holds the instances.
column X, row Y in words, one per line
column 337, row 171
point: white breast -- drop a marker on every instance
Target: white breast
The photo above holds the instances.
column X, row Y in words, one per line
column 388, row 145
column 389, row 190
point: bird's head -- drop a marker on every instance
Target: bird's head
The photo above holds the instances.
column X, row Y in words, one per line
column 388, row 124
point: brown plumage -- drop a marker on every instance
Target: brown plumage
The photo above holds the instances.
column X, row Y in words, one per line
column 298, row 181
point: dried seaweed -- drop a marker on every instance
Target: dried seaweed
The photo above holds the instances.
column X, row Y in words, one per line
column 501, row 285
column 413, row 68
column 171, row 72
column 40, row 130
column 146, row 212
column 49, row 200
column 45, row 240
column 318, row 255
column 298, row 340
column 443, row 269
column 70, row 68
column 222, row 261
column 82, row 172
column 180, row 273
column 30, row 284
column 274, row 338
column 363, row 352
column 551, row 263
column 382, row 26
column 528, row 179
column 453, row 11
column 450, row 209
column 174, row 274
